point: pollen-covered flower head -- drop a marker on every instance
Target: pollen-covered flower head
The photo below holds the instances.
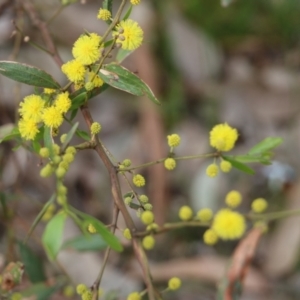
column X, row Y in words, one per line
column 28, row 129
column 223, row 137
column 228, row 224
column 130, row 34
column 233, row 199
column 63, row 102
column 52, row 117
column 259, row 205
column 74, row 70
column 104, row 14
column 86, row 49
column 32, row 107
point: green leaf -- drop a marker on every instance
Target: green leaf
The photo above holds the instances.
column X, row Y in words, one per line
column 27, row 74
column 265, row 145
column 122, row 55
column 8, row 132
column 48, row 140
column 107, row 4
column 81, row 96
column 32, row 263
column 122, row 79
column 252, row 159
column 70, row 135
column 52, row 236
column 107, row 236
column 240, row 166
column 39, row 217
column 86, row 243
column 83, row 134
column 128, row 13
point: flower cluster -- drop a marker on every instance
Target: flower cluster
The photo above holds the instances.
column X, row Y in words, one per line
column 35, row 111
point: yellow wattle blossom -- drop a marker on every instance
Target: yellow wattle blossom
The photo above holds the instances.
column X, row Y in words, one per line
column 104, row 14
column 95, row 128
column 174, row 283
column 134, row 296
column 147, row 217
column 49, row 91
column 127, row 234
column 205, row 214
column 135, row 2
column 233, row 199
column 74, row 70
column 212, row 170
column 228, row 224
column 138, row 180
column 52, row 117
column 223, row 137
column 225, row 166
column 81, row 288
column 129, row 33
column 210, row 237
column 173, row 140
column 259, row 205
column 86, row 49
column 185, row 213
column 32, row 108
column 63, row 102
column 28, row 129
column 148, row 242
column 170, row 163
column 96, row 80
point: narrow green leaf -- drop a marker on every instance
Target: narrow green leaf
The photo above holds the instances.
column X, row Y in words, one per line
column 27, row 74
column 107, row 4
column 122, row 79
column 36, row 146
column 83, row 134
column 122, row 55
column 70, row 135
column 8, row 132
column 73, row 114
column 86, row 243
column 39, row 217
column 107, row 236
column 267, row 144
column 48, row 140
column 240, row 166
column 32, row 263
column 52, row 236
column 128, row 13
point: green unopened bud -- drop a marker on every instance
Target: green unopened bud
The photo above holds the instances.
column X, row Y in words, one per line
column 46, row 171
column 63, row 138
column 56, row 159
column 143, row 198
column 44, row 152
column 71, row 150
column 64, row 164
column 60, row 172
column 89, row 86
column 148, row 206
column 126, row 163
column 61, row 200
column 68, row 157
column 56, row 149
column 128, row 200
column 62, row 190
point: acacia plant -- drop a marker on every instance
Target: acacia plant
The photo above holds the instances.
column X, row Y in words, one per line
column 41, row 115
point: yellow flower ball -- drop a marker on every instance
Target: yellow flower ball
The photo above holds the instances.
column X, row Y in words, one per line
column 135, row 2
column 185, row 213
column 28, row 129
column 129, row 34
column 91, row 228
column 173, row 140
column 134, row 296
column 138, row 180
column 95, row 128
column 63, row 102
column 81, row 288
column 87, row 295
column 225, row 166
column 104, row 14
column 74, row 70
column 32, row 108
column 148, row 242
column 259, row 205
column 126, row 163
column 233, row 199
column 170, row 164
column 223, row 137
column 205, row 214
column 212, row 170
column 147, row 217
column 52, row 117
column 210, row 237
column 228, row 224
column 174, row 283
column 127, row 234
